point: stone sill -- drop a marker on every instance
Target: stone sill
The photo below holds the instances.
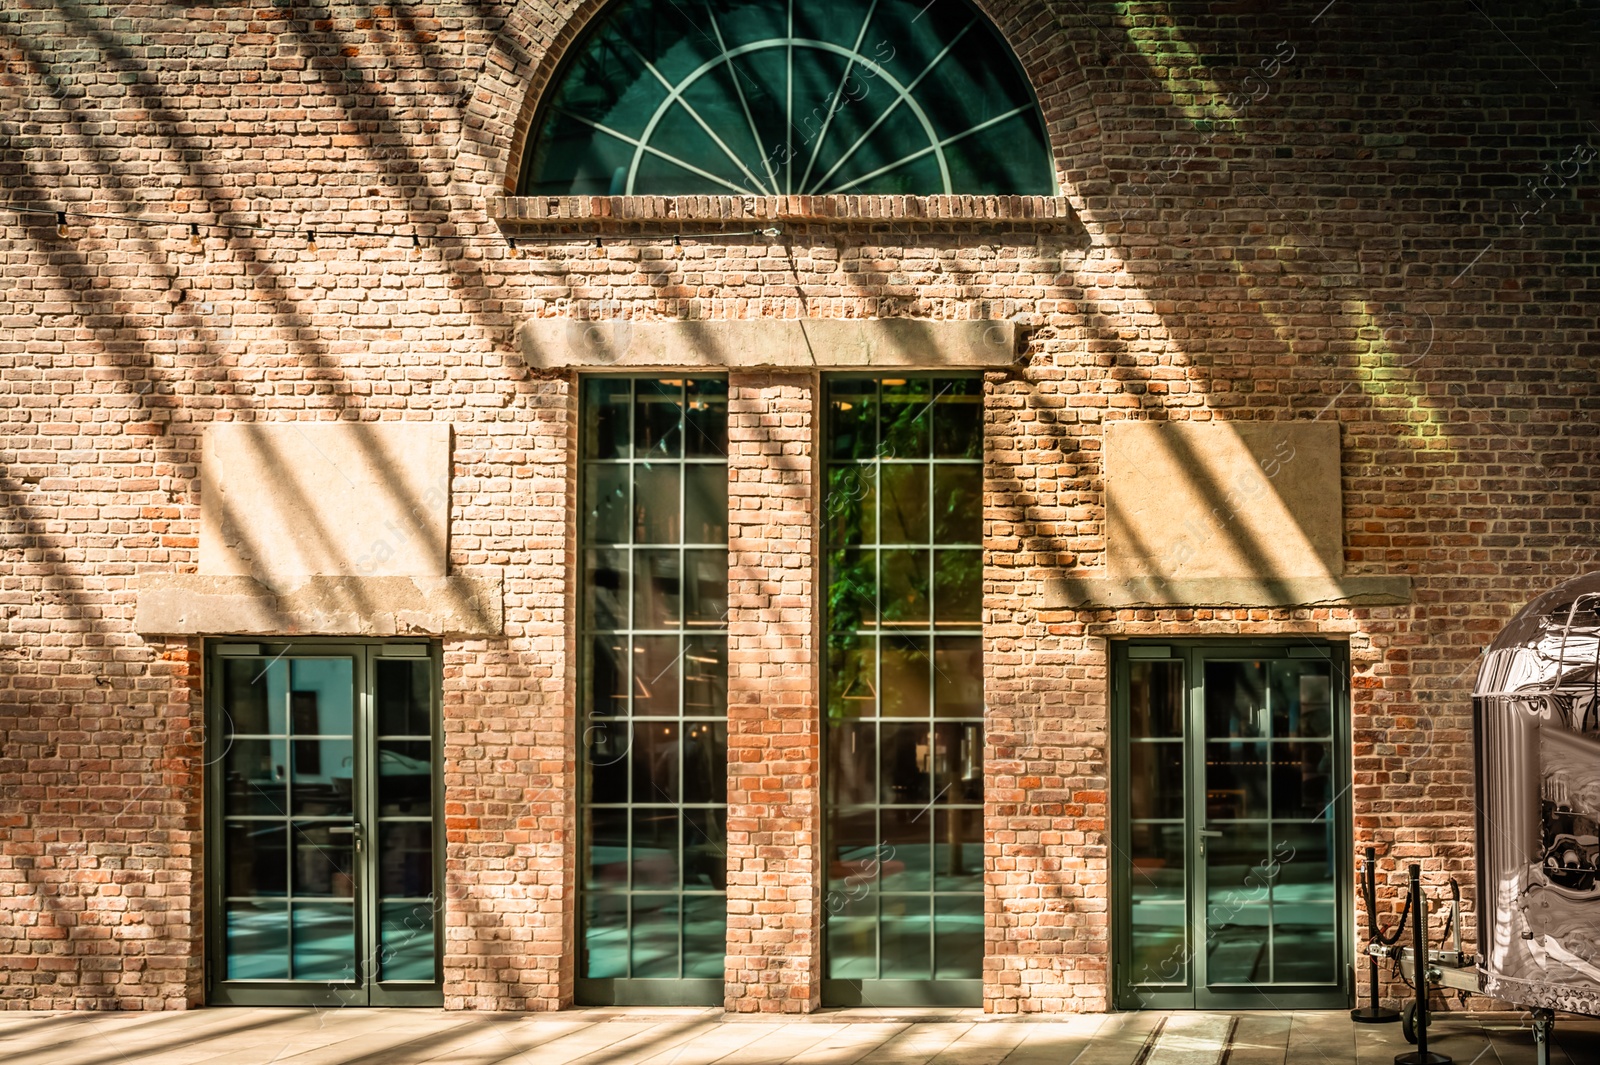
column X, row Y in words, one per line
column 1103, row 593
column 757, row 212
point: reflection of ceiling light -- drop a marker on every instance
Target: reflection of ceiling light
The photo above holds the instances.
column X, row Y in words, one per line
column 697, row 658
column 672, row 384
column 894, row 382
column 845, row 406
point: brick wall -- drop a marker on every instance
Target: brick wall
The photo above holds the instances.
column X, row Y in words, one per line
column 1350, row 236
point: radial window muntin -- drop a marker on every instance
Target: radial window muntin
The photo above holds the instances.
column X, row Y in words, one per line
column 767, row 97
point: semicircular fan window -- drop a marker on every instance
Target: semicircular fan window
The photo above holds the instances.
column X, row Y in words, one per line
column 779, row 97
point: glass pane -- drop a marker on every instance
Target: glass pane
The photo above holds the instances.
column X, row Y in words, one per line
column 658, row 419
column 905, row 518
column 707, row 420
column 1236, row 781
column 958, row 937
column 657, row 589
column 605, row 585
column 407, row 936
column 655, row 504
column 405, row 777
column 1236, row 699
column 324, row 859
column 1302, row 699
column 705, row 936
column 655, row 676
column 852, row 676
column 852, row 927
column 957, row 504
column 1238, row 946
column 605, row 504
column 907, row 413
column 906, row 576
column 705, row 504
column 655, row 847
column 605, row 840
column 858, row 852
column 852, row 590
column 705, row 856
column 608, row 677
column 403, row 700
column 852, row 419
column 705, row 676
column 906, row 863
column 904, row 762
column 1302, row 779
column 1155, row 699
column 1302, row 859
column 958, row 588
column 906, row 679
column 605, row 937
column 247, row 686
column 705, row 761
column 405, row 859
column 606, row 418
column 958, row 850
column 258, row 941
column 606, row 746
column 1239, row 868
column 256, row 772
column 958, row 676
column 258, row 858
column 321, row 696
column 324, row 941
column 322, row 780
column 850, row 510
column 906, row 924
column 1155, row 780
column 1156, row 891
column 1304, row 948
column 852, row 762
column 705, row 588
column 958, row 418
column 957, row 762
column 655, row 762
column 655, row 935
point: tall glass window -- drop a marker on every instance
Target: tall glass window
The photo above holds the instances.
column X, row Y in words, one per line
column 654, row 689
column 904, row 684
column 789, row 97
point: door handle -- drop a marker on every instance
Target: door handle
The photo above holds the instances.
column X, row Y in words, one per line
column 1210, row 832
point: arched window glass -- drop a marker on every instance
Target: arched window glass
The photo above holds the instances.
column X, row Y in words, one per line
column 779, row 97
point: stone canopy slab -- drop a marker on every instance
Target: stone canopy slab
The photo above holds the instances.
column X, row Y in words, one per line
column 795, row 344
column 194, row 604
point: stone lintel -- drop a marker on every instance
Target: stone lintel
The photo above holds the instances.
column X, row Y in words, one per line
column 1099, row 593
column 796, row 344
column 193, row 604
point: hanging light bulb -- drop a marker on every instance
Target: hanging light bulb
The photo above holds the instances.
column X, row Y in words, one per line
column 516, row 252
column 599, row 243
column 311, row 241
column 61, row 223
column 416, row 246
column 194, row 235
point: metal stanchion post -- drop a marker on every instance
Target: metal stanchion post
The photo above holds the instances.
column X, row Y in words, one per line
column 1374, row 1013
column 1419, row 940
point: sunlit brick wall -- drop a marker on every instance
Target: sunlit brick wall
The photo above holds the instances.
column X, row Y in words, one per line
column 1284, row 213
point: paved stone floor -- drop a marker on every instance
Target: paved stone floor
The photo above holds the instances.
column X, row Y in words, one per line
column 701, row 1037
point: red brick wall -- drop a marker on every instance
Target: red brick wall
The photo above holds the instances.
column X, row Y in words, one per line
column 775, row 880
column 1351, row 240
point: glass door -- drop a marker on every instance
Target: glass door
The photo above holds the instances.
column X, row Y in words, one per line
column 322, row 797
column 1232, row 827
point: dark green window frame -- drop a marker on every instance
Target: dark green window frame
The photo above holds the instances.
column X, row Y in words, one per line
column 903, row 684
column 789, row 97
column 1169, row 978
column 396, row 947
column 653, row 635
